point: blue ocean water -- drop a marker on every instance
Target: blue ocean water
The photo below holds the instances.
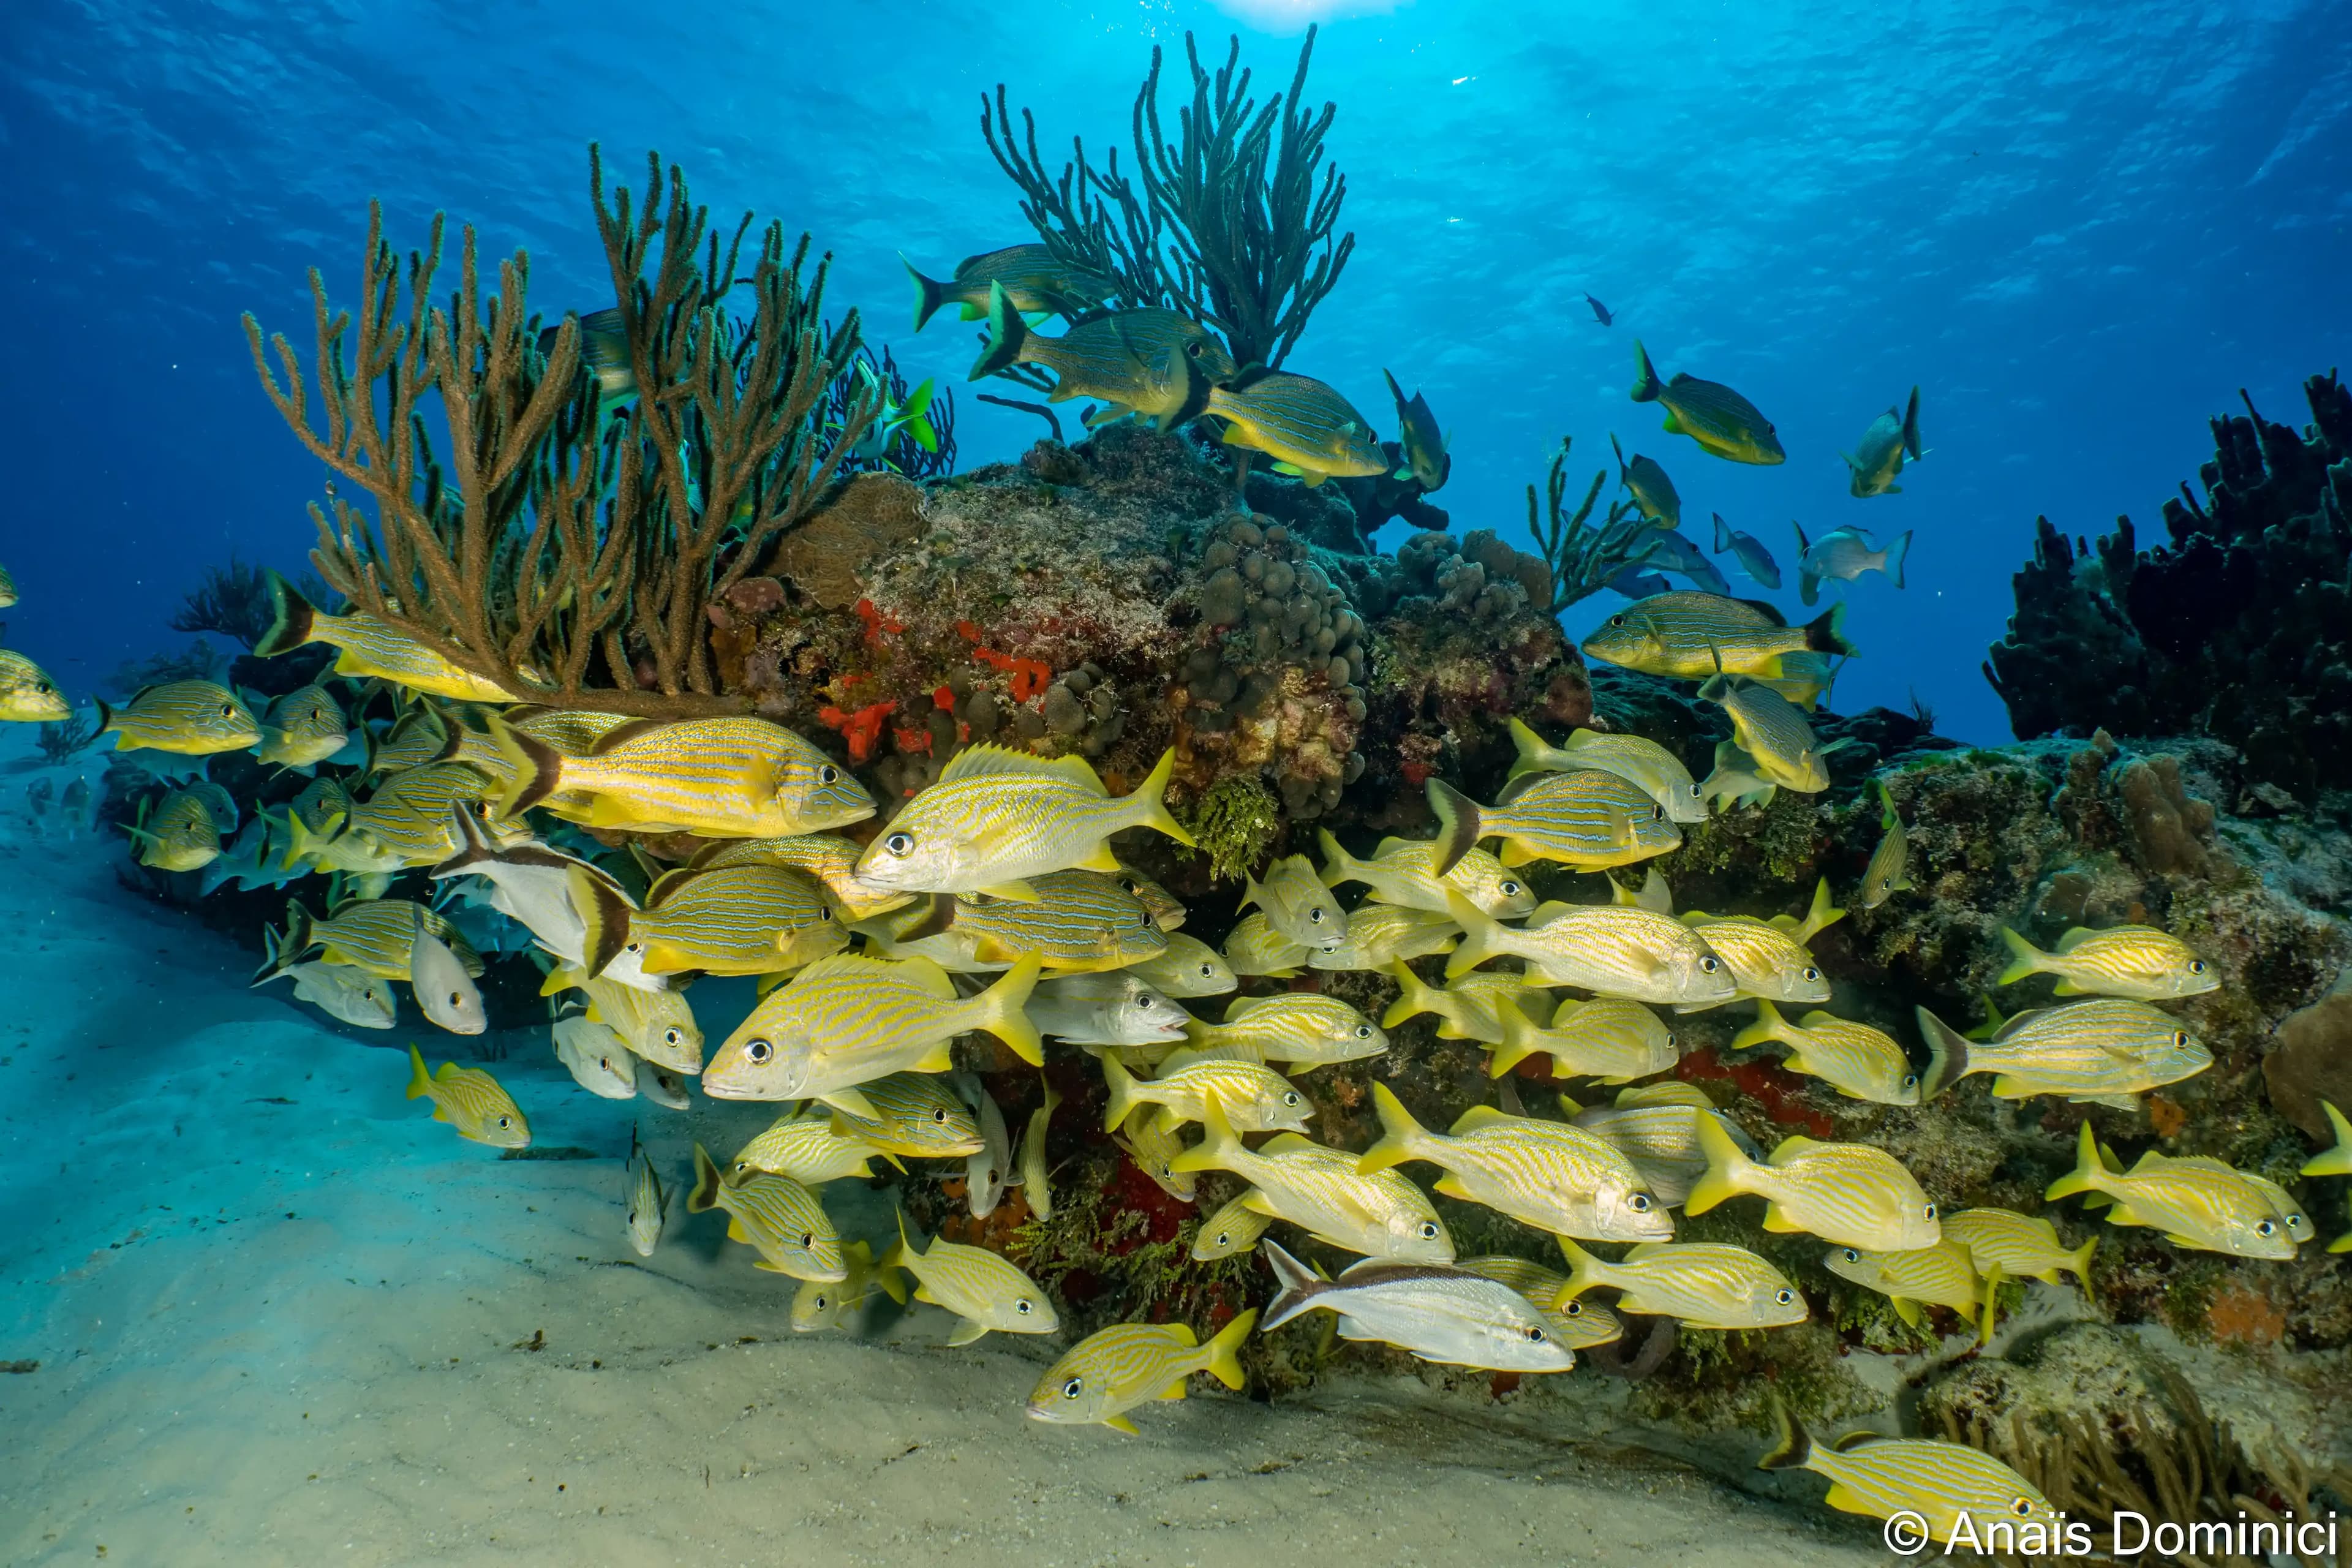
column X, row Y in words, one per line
column 2079, row 230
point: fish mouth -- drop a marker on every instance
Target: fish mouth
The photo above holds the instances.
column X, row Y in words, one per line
column 1038, row 1410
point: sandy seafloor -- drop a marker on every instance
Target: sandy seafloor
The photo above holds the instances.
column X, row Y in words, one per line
column 279, row 1310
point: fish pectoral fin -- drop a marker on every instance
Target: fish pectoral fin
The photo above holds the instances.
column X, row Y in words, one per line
column 1100, row 858
column 1173, row 1391
column 1012, row 892
column 853, row 1101
column 2115, row 1101
column 1776, row 1221
column 1909, row 1310
column 1258, row 1203
column 966, row 1331
column 1452, row 1189
column 923, row 1294
column 938, row 1058
column 764, row 1267
column 1121, row 1424
column 735, row 1231
column 1845, row 1502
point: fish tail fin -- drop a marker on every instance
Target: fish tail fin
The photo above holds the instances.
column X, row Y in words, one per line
column 1821, row 915
column 2335, row 1161
column 2090, row 1173
column 1217, row 1143
column 2078, row 1263
column 1006, row 334
column 1994, row 1277
column 1826, row 634
column 929, row 295
column 2024, row 958
column 299, row 935
column 1768, row 1026
column 1338, row 866
column 895, row 1257
column 705, row 1195
column 1001, row 1010
column 1399, row 1132
column 1794, row 1447
column 1121, row 1083
column 1725, row 1167
column 1895, row 555
column 1887, row 815
column 293, row 618
column 1224, row 1347
column 1584, row 1270
column 1947, row 1054
column 1911, row 427
column 605, row 913
column 1295, row 1285
column 1480, row 930
column 1646, row 385
column 420, row 1082
column 885, row 1275
column 1458, row 827
column 1414, row 995
column 536, row 766
column 1531, row 749
column 1518, row 1041
column 1148, row 806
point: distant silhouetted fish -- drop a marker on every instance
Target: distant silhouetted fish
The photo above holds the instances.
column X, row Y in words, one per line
column 1601, row 312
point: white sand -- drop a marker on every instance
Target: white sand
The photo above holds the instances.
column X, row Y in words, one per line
column 285, row 1334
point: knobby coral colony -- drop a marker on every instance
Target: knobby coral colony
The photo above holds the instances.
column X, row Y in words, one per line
column 687, row 675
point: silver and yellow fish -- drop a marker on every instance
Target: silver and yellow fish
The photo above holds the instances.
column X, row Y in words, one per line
column 28, row 695
column 1855, row 1059
column 1548, row 1174
column 1615, row 950
column 2106, row 1050
column 1958, row 1494
column 2206, row 1207
column 193, row 718
column 913, row 1114
column 470, row 1100
column 984, row 1291
column 1154, row 1150
column 184, row 832
column 1302, row 1028
column 1850, row 1193
column 645, row 1206
column 1381, row 934
column 1442, row 1314
column 2138, row 962
column 775, row 1215
column 2020, row 1245
column 1254, row 1098
column 1113, row 1370
column 1703, row 1284
column 828, row 857
column 1766, row 960
column 658, row 1026
column 822, row 1304
column 1589, row 820
column 1304, row 425
column 376, row 935
column 1888, row 871
column 1230, row 1232
column 1944, row 1274
column 1579, row 1323
column 1297, row 903
column 719, row 778
column 1109, row 1009
column 1037, row 1191
column 1720, row 420
column 1032, row 279
column 1255, row 947
column 1469, row 1008
column 1398, row 873
column 1322, row 1192
column 1658, row 772
column 1186, row 967
column 749, row 918
column 356, row 998
column 1771, row 732
column 304, row 728
column 1656, row 1127
column 1151, row 362
column 806, row 1147
column 1690, row 636
column 1608, row 1038
column 997, row 818
column 365, row 646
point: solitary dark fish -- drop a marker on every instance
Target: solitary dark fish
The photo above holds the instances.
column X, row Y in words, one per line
column 1753, row 558
column 1650, row 487
column 1601, row 312
column 1709, row 412
column 1427, row 463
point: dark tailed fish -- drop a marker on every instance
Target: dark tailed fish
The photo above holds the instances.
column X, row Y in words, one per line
column 1843, row 555
column 1647, row 483
column 1719, row 419
column 365, row 646
column 1441, row 1314
column 1689, row 636
column 28, row 695
column 1749, row 550
column 1601, row 312
column 305, row 727
column 716, row 778
column 1588, row 818
column 1426, row 461
column 2107, row 1051
column 1888, row 871
column 1033, row 284
column 1153, row 364
column 1954, row 1492
column 534, row 886
column 1677, row 554
column 604, row 353
column 1878, row 460
column 193, row 718
column 1113, row 1370
column 1636, row 584
column 1306, row 426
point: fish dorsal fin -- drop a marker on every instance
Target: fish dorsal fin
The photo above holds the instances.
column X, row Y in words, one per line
column 667, row 884
column 620, row 735
column 1853, row 1440
column 1283, row 1142
column 2075, row 937
column 446, row 1071
column 927, row 976
column 1548, row 911
column 1183, row 1334
column 1382, row 850
column 2016, row 1021
column 1765, row 610
column 980, row 761
column 1669, row 1093
column 1479, row 1116
column 1647, row 1249
column 1788, row 1147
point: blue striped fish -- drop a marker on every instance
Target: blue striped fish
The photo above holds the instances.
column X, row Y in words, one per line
column 1656, row 770
column 1690, row 636
column 750, row 918
column 2208, row 1207
column 1613, row 1038
column 28, row 694
column 1589, row 820
column 305, row 728
column 377, row 935
column 1944, row 1274
column 985, row 1292
column 775, row 1215
column 1321, row 1191
column 1398, row 873
column 1305, row 425
column 828, row 857
column 1771, row 732
column 1656, row 1126
column 365, row 646
column 1616, row 949
column 720, row 778
column 1033, row 280
column 1547, row 1174
column 193, row 718
column 1855, row 1059
column 915, row 1114
column 1113, row 1370
column 1944, row 1484
column 2106, row 1050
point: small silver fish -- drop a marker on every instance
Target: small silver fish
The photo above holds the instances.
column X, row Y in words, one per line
column 1843, row 555
column 443, row 990
column 596, row 1057
column 648, row 1205
column 1115, row 1007
column 1877, row 462
column 989, row 1168
column 1439, row 1313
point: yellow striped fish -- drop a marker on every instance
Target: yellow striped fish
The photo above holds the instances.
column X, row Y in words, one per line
column 1300, row 1027
column 804, row 1147
column 1765, row 961
column 2335, row 1162
column 657, row 1025
column 1609, row 1038
column 7, row 588
column 1079, row 922
column 1297, row 903
column 1544, row 1174
column 1167, row 912
column 1148, row 362
column 470, row 1100
column 1304, row 425
column 1616, row 949
column 1186, row 967
column 1035, row 1190
column 193, row 718
column 1944, row 1274
column 829, row 857
column 847, row 1020
column 1702, row 1284
column 377, row 935
column 28, row 695
column 1858, row 1061
column 2136, row 961
column 1805, row 678
column 984, row 1291
column 1943, row 1484
column 997, row 818
column 915, row 1114
column 184, row 832
column 408, row 814
column 1887, row 873
column 1691, row 636
column 305, row 728
column 1032, row 279
column 1230, row 1231
column 1655, row 1125
column 1381, row 934
column 1771, row 732
column 821, row 1304
column 1588, row 819
column 1658, row 773
column 1470, row 1007
column 2021, row 1247
column 2206, row 1208
column 1255, row 1099
column 751, row 919
column 1850, row 1193
column 1719, row 419
column 1113, row 1370
column 1255, row 947
column 2107, row 1051
column 1398, row 873
column 1154, row 1151
column 1578, row 1324
column 647, row 1205
column 1321, row 1191
column 775, row 1215
column 719, row 778
column 365, row 646
column 417, row 737
column 2283, row 1205
column 323, row 803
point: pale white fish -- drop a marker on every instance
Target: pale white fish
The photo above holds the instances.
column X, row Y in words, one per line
column 596, row 1057
column 1437, row 1313
column 988, row 1170
column 1114, row 1007
column 443, row 990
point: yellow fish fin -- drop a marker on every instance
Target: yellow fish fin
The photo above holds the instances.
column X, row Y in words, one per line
column 446, row 1071
column 1282, row 1142
column 2068, row 988
column 981, row 762
column 938, row 1058
column 1644, row 1249
column 1795, row 1144
column 1478, row 1116
column 966, row 1331
column 923, row 1293
column 1452, row 1189
column 1517, row 854
column 1845, row 1502
column 1775, row 1220
column 420, row 1082
column 1183, row 1334
column 1258, row 1203
column 1121, row 1424
column 764, row 1267
column 1100, row 858
column 1173, row 1391
column 1012, row 892
column 853, row 1102
column 735, row 1231
column 2075, row 937
column 1907, row 1309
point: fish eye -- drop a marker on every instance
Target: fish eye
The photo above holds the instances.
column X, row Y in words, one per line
column 939, row 1114
column 900, row 844
column 1696, row 791
column 828, row 773
column 2196, row 966
column 1022, row 1307
column 808, row 1240
column 1639, row 1203
column 1910, row 1080
column 1071, row 1389
column 1195, row 350
column 1657, row 814
column 671, row 1037
column 1850, row 1256
column 1429, row 1230
column 1571, row 1309
column 1223, row 1239
column 758, row 1051
column 41, row 688
column 1931, row 1211
column 1784, row 1297
column 1707, row 966
column 2021, row 1507
column 820, row 1302
column 1208, row 972
column 1535, row 1335
column 1363, row 1031
column 1616, row 620
column 1811, row 973
column 227, row 712
column 2268, row 1228
column 1510, row 888
column 825, row 912
column 1290, row 1097
column 1316, row 914
column 2180, row 1037
column 456, row 999
column 506, row 1122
